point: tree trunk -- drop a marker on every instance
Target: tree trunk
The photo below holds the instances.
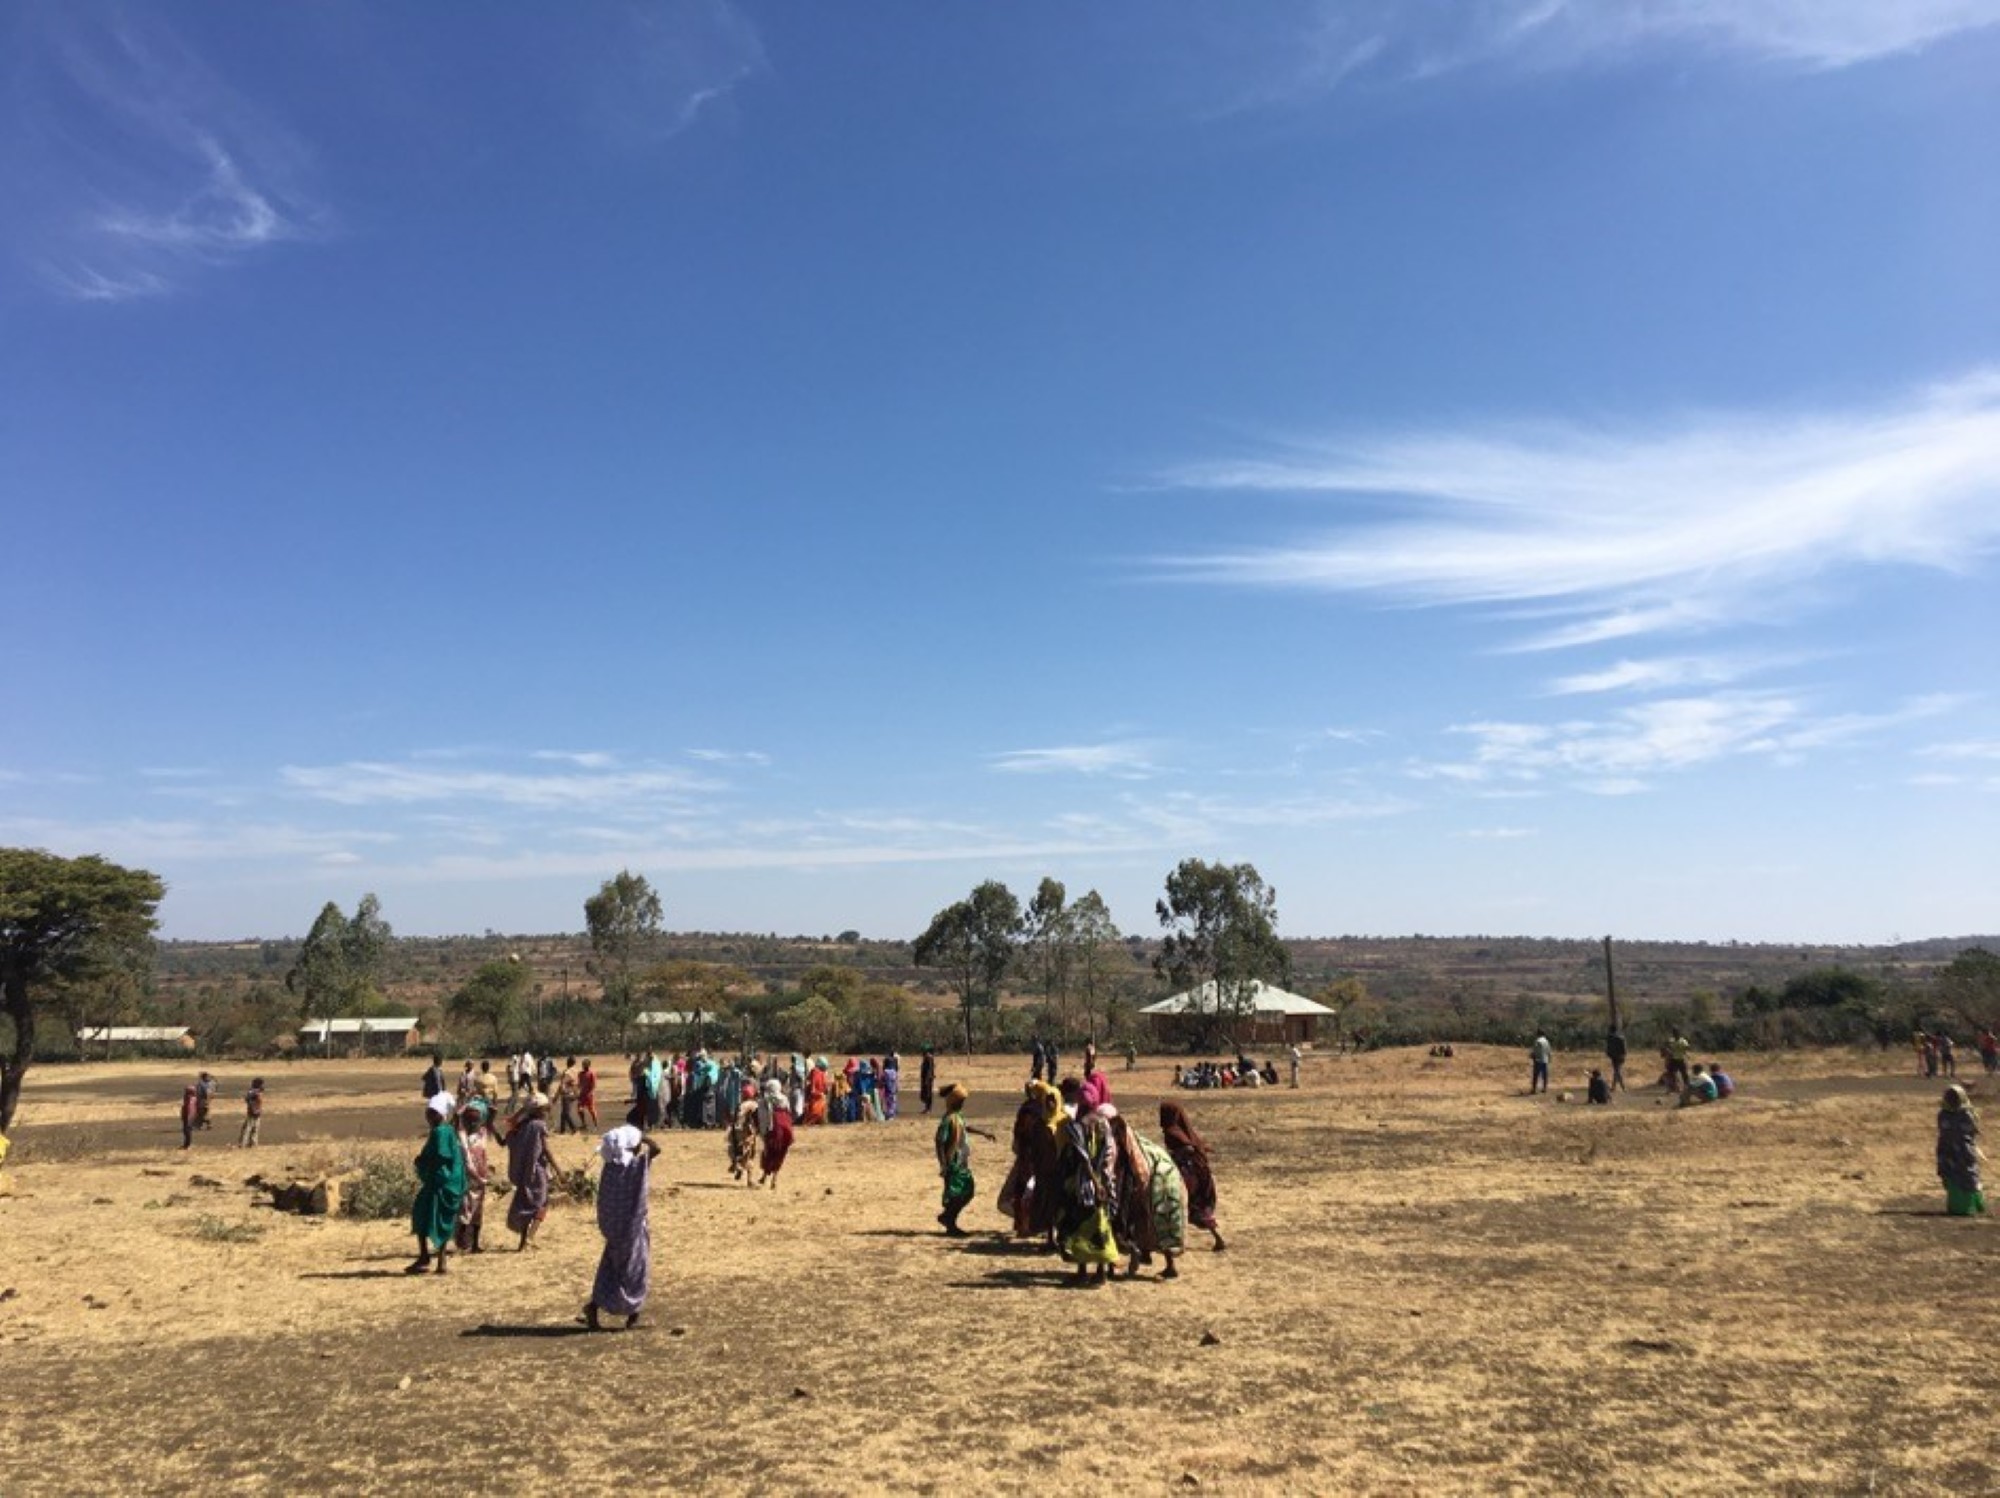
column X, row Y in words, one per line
column 14, row 1068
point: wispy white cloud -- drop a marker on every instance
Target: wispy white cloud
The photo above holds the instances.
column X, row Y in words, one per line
column 370, row 782
column 583, row 759
column 163, row 843
column 1964, row 749
column 668, row 65
column 1341, row 42
column 1498, row 834
column 138, row 164
column 1657, row 675
column 1623, row 753
column 1124, row 761
column 1640, row 531
column 730, row 756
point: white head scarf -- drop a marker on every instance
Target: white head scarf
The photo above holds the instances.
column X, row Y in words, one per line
column 442, row 1104
column 620, row 1146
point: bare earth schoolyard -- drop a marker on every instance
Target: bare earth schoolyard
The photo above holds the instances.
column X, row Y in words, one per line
column 1433, row 1284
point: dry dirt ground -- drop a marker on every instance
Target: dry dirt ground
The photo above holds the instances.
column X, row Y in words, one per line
column 1433, row 1283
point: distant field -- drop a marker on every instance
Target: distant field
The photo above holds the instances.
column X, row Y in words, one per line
column 1434, row 1283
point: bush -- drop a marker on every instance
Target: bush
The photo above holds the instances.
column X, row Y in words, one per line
column 216, row 1230
column 385, row 1189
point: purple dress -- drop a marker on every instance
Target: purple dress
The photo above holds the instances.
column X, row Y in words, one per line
column 625, row 1271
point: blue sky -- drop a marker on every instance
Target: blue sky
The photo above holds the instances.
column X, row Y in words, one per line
column 1516, row 467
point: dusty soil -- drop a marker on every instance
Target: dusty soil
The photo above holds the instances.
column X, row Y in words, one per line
column 1433, row 1283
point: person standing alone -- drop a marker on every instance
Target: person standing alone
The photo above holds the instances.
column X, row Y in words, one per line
column 1539, row 1054
column 253, row 1115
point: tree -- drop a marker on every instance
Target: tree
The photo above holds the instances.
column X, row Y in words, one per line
column 1097, row 960
column 61, row 920
column 1222, row 928
column 339, row 964
column 492, row 997
column 1046, row 946
column 1969, row 985
column 623, row 919
column 973, row 942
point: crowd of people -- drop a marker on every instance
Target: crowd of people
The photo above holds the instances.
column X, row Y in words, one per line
column 1242, row 1072
column 1083, row 1181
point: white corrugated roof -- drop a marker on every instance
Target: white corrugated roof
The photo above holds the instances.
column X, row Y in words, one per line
column 388, row 1024
column 131, row 1032
column 1265, row 999
column 675, row 1017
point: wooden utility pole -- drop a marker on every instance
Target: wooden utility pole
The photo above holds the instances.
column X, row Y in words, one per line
column 1611, row 985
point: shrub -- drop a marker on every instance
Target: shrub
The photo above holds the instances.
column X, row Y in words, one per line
column 216, row 1230
column 385, row 1189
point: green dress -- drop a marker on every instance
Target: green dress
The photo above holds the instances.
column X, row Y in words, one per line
column 441, row 1185
column 954, row 1152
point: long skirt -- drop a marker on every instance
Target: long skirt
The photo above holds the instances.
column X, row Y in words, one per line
column 777, row 1143
column 1964, row 1203
column 1166, row 1194
column 1201, row 1200
column 625, row 1269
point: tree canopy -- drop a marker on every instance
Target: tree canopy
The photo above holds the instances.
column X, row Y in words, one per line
column 61, row 920
column 973, row 940
column 623, row 919
column 493, row 996
column 1221, row 922
column 339, row 965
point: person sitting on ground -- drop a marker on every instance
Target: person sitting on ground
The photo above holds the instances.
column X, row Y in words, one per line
column 1270, row 1072
column 1700, row 1089
column 1724, row 1083
column 1600, row 1090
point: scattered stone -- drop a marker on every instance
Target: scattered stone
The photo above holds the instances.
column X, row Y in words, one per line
column 1209, row 1339
column 1416, row 1313
column 10, row 1293
column 1189, row 1480
column 799, row 1391
column 677, row 1331
column 403, row 1382
column 102, row 1201
column 152, row 1171
column 1644, row 1344
column 209, row 1181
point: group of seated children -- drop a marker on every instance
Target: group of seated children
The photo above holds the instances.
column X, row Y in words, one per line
column 1706, row 1084
column 1243, row 1072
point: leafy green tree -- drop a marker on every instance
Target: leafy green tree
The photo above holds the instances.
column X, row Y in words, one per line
column 1099, row 965
column 813, row 1023
column 839, row 986
column 339, row 966
column 1046, row 946
column 1969, row 985
column 623, row 919
column 1222, row 928
column 61, row 920
column 972, row 941
column 493, row 996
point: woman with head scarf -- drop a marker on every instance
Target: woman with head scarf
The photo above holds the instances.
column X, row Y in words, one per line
column 954, row 1157
column 1133, row 1218
column 474, row 1140
column 774, row 1125
column 440, row 1185
column 743, row 1136
column 529, row 1169
column 1190, row 1155
column 892, row 1082
column 927, row 1077
column 1153, row 1191
column 1958, row 1154
column 1089, row 1190
column 816, row 1090
column 625, row 1268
